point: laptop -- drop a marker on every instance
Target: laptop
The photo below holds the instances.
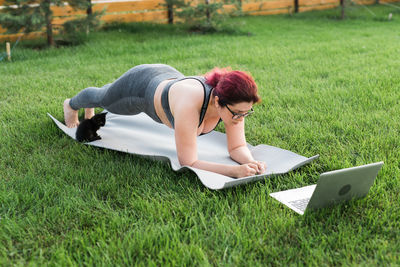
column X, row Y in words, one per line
column 332, row 187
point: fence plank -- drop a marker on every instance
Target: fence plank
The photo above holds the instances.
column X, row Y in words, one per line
column 59, row 21
column 310, row 8
column 365, row 2
column 136, row 17
column 317, row 2
column 129, row 6
column 155, row 16
column 15, row 36
column 260, row 6
column 272, row 12
column 114, row 7
column 59, row 11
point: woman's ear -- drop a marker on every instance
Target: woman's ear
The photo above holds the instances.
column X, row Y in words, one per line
column 216, row 101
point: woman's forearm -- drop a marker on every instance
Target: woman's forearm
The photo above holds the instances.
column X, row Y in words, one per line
column 241, row 155
column 223, row 169
column 235, row 171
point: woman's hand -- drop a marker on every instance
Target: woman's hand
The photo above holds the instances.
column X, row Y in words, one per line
column 251, row 168
column 261, row 166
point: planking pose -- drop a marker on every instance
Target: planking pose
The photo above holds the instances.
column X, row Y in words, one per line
column 191, row 105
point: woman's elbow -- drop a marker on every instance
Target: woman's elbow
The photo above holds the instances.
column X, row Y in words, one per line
column 234, row 150
column 186, row 162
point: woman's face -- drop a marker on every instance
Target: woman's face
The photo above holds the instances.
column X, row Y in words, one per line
column 235, row 113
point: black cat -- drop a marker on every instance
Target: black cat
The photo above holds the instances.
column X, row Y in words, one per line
column 87, row 129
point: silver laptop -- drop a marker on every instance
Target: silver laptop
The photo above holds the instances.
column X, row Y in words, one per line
column 332, row 187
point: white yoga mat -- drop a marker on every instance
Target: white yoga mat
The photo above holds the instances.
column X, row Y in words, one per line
column 140, row 135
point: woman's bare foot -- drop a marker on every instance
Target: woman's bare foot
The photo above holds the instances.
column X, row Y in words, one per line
column 89, row 113
column 70, row 115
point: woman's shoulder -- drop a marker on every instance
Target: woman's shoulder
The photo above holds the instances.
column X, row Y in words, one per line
column 188, row 88
column 187, row 94
column 194, row 81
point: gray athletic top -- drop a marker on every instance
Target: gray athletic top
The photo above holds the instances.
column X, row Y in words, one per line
column 207, row 94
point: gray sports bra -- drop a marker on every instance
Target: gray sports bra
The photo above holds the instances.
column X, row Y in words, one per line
column 207, row 94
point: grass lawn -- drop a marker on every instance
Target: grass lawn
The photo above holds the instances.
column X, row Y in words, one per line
column 328, row 87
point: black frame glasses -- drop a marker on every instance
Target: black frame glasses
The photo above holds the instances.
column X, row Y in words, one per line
column 236, row 116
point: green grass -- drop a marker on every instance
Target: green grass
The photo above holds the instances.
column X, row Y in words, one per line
column 328, row 87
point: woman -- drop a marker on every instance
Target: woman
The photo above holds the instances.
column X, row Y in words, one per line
column 191, row 105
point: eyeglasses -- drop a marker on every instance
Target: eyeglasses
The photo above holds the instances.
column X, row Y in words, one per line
column 236, row 116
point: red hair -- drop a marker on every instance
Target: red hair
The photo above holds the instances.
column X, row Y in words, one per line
column 232, row 87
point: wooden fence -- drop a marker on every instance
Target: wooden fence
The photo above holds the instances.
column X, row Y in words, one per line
column 155, row 11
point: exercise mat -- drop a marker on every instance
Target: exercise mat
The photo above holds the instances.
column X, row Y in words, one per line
column 140, row 135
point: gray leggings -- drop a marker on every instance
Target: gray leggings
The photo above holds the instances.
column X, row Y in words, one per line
column 130, row 94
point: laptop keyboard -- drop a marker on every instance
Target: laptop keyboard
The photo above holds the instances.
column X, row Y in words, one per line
column 301, row 204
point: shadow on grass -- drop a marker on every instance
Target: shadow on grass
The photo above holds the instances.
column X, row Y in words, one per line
column 172, row 30
column 60, row 42
column 353, row 12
